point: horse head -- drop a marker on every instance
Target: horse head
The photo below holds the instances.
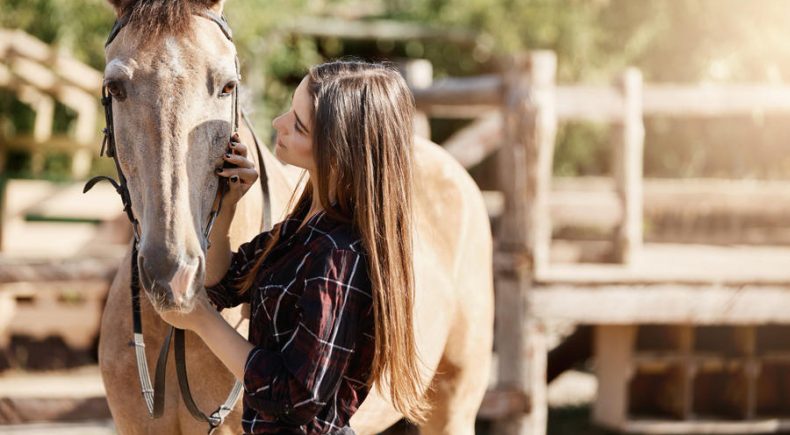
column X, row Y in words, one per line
column 171, row 73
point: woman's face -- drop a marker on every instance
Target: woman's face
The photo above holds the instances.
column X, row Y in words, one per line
column 294, row 128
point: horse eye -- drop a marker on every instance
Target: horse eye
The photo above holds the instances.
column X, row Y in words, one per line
column 228, row 88
column 115, row 89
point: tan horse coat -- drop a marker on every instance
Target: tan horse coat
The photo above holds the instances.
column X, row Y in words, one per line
column 454, row 306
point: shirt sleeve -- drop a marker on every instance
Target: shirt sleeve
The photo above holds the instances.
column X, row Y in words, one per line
column 225, row 294
column 294, row 383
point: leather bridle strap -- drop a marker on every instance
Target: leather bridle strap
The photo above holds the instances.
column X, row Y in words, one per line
column 154, row 395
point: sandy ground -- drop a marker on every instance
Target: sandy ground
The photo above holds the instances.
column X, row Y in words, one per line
column 85, row 428
column 569, row 397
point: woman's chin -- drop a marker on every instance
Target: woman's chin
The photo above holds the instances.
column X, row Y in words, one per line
column 279, row 151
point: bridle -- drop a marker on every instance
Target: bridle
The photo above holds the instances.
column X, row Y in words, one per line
column 154, row 397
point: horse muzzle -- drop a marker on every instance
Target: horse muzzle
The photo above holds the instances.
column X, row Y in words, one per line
column 169, row 284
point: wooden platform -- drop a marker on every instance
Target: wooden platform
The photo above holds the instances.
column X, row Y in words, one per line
column 670, row 284
column 48, row 220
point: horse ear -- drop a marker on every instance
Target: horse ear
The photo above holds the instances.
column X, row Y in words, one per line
column 120, row 5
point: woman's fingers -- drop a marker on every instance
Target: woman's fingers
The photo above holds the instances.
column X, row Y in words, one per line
column 238, row 148
column 238, row 160
column 240, row 175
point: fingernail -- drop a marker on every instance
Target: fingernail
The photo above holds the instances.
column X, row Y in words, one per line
column 234, row 178
column 227, row 155
column 217, row 170
column 233, row 144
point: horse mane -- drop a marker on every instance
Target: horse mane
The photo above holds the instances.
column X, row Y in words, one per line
column 155, row 18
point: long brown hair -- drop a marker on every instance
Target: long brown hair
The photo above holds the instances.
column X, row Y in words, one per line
column 362, row 145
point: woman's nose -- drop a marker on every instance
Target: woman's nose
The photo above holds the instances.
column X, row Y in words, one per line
column 277, row 122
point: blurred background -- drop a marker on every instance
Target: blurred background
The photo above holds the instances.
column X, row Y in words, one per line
column 717, row 177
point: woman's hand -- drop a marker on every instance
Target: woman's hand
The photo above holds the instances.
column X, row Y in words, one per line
column 240, row 177
column 193, row 320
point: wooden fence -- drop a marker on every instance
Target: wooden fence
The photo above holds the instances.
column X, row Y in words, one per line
column 516, row 114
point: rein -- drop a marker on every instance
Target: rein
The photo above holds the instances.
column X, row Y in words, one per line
column 154, row 396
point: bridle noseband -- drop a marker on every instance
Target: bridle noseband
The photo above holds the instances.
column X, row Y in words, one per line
column 154, row 397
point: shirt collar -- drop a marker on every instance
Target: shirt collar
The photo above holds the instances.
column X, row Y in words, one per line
column 320, row 221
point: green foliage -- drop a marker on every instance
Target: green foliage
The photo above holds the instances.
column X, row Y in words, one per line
column 669, row 40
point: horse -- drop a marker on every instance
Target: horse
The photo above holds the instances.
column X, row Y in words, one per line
column 171, row 125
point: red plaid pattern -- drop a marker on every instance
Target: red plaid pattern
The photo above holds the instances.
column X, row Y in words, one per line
column 311, row 321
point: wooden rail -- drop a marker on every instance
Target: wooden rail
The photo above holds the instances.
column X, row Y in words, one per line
column 483, row 94
column 40, row 76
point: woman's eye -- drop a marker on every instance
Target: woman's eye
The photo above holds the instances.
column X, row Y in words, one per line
column 228, row 88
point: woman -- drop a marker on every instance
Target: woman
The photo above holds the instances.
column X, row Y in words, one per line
column 331, row 287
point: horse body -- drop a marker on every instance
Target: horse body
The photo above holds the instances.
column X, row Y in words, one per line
column 168, row 150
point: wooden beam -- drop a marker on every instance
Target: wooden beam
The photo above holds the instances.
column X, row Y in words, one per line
column 21, row 410
column 665, row 303
column 76, row 73
column 483, row 91
column 84, row 269
column 525, row 170
column 56, row 143
column 614, row 345
column 418, row 74
column 473, row 143
column 715, row 100
column 629, row 139
column 379, row 30
column 579, row 102
column 589, row 103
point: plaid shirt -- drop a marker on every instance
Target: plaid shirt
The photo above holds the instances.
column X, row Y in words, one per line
column 311, row 321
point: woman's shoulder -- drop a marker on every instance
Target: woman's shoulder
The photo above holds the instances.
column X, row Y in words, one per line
column 329, row 234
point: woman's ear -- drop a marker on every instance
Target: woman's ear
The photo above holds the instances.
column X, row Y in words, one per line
column 120, row 5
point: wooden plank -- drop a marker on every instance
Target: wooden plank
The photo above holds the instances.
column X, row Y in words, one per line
column 53, row 144
column 665, row 427
column 613, row 348
column 629, row 138
column 484, row 90
column 604, row 104
column 473, row 143
column 70, row 310
column 79, row 269
column 688, row 265
column 379, row 30
column 666, row 303
column 579, row 102
column 715, row 100
column 75, row 72
column 525, row 169
column 418, row 74
column 27, row 410
column 595, row 103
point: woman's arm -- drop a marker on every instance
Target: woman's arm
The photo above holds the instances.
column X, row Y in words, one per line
column 227, row 344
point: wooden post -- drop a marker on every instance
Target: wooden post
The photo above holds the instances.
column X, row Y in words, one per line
column 3, row 184
column 44, row 108
column 525, row 163
column 629, row 137
column 419, row 75
column 85, row 133
column 614, row 348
